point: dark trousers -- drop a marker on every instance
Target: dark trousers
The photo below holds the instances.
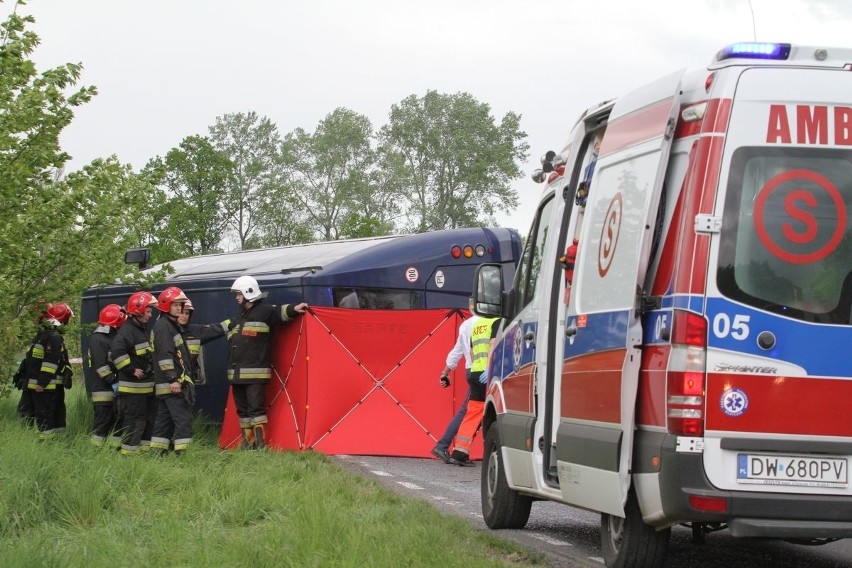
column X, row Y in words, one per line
column 250, row 401
column 104, row 421
column 174, row 421
column 45, row 411
column 135, row 420
column 59, row 413
column 26, row 406
column 150, row 419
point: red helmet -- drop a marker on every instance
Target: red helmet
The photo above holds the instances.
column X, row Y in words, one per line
column 60, row 311
column 112, row 315
column 138, row 302
column 169, row 296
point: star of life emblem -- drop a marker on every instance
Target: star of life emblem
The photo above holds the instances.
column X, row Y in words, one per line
column 734, row 402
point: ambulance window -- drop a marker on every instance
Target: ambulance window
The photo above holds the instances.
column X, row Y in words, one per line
column 786, row 237
column 530, row 266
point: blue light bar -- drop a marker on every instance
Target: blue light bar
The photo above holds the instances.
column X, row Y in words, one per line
column 751, row 50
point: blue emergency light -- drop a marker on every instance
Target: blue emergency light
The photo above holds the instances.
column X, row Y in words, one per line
column 753, row 50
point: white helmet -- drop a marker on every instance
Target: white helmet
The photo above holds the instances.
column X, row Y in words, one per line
column 248, row 287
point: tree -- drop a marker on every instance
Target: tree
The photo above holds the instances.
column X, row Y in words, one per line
column 59, row 235
column 196, row 177
column 455, row 162
column 252, row 144
column 331, row 176
column 34, row 108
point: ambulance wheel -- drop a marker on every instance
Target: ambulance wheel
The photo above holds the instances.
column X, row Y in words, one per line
column 629, row 542
column 502, row 507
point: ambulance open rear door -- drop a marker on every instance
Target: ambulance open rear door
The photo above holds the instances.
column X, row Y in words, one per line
column 602, row 333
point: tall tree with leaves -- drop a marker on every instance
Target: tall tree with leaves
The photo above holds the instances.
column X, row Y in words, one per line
column 252, row 144
column 456, row 162
column 197, row 178
column 34, row 108
column 330, row 173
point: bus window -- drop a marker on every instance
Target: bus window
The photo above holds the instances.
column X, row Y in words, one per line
column 377, row 298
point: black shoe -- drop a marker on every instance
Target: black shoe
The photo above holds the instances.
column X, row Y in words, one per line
column 441, row 454
column 463, row 462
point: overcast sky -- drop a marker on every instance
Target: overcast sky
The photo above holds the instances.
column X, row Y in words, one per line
column 165, row 69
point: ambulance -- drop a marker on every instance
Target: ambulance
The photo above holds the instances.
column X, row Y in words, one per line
column 677, row 342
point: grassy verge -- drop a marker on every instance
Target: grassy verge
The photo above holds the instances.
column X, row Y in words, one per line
column 66, row 503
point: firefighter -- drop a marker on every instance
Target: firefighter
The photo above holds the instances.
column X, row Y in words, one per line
column 173, row 372
column 482, row 340
column 249, row 356
column 196, row 336
column 103, row 374
column 131, row 351
column 47, row 370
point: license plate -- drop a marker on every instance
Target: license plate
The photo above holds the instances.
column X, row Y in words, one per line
column 792, row 470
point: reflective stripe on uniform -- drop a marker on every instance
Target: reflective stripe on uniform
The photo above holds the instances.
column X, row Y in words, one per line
column 49, row 368
column 251, row 373
column 143, row 348
column 166, row 364
column 256, row 327
column 102, row 397
column 103, row 371
column 135, row 388
column 38, row 351
column 121, row 361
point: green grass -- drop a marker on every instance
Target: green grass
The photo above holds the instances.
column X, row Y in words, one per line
column 66, row 503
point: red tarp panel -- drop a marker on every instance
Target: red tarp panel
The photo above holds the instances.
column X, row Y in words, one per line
column 361, row 382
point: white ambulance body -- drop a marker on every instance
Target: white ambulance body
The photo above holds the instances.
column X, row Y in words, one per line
column 695, row 366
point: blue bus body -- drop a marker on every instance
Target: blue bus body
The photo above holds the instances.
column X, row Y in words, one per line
column 394, row 272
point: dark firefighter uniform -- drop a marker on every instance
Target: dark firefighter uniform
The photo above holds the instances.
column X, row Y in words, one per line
column 103, row 377
column 249, row 363
column 197, row 334
column 172, row 364
column 132, row 350
column 46, row 361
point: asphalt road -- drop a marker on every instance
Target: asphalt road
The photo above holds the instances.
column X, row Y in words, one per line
column 569, row 537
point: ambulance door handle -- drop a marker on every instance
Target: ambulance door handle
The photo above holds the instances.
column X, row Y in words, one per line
column 571, row 330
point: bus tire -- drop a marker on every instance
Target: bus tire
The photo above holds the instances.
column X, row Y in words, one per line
column 629, row 542
column 502, row 507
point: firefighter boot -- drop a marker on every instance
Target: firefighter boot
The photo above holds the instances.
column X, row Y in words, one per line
column 259, row 431
column 248, row 439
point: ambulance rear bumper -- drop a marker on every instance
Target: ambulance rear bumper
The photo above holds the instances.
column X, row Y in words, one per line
column 749, row 513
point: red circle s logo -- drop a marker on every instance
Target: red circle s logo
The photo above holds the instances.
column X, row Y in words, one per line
column 609, row 234
column 798, row 205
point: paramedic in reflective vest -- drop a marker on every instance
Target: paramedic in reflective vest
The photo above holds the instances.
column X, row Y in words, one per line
column 131, row 351
column 173, row 372
column 459, row 350
column 249, row 357
column 47, row 368
column 103, row 374
column 482, row 339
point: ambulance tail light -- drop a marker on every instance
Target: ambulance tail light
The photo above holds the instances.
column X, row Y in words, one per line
column 686, row 375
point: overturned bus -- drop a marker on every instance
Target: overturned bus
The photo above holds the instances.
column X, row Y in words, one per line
column 399, row 272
